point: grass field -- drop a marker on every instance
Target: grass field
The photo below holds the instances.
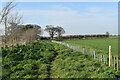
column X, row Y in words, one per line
column 100, row 44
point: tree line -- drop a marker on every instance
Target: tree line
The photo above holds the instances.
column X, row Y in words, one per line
column 26, row 34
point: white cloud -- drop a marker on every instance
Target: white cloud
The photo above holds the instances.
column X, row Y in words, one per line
column 91, row 21
column 95, row 9
column 75, row 22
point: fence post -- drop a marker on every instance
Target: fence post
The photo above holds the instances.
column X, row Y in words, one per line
column 92, row 55
column 109, row 55
column 105, row 59
column 117, row 63
column 114, row 62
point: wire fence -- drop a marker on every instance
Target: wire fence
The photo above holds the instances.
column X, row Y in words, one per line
column 110, row 60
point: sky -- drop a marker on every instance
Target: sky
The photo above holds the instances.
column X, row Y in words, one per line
column 63, row 0
column 74, row 17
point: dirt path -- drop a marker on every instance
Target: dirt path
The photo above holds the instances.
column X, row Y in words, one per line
column 50, row 72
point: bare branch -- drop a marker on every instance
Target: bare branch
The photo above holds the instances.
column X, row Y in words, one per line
column 6, row 10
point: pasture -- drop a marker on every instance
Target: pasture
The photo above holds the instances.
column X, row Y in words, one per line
column 99, row 44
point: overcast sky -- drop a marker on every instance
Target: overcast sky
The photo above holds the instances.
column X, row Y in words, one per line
column 74, row 17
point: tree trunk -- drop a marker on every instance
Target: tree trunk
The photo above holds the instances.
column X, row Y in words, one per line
column 52, row 35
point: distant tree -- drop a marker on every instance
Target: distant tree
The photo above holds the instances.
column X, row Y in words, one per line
column 54, row 30
column 51, row 30
column 30, row 33
column 107, row 34
column 29, row 36
column 59, row 31
column 31, row 26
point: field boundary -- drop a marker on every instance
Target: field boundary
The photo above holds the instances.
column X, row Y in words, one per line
column 111, row 61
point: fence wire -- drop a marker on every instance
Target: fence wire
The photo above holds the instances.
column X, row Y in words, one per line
column 94, row 55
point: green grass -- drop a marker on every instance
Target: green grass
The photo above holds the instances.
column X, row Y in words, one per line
column 96, row 43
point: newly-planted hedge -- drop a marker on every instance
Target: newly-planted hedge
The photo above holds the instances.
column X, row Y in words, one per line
column 74, row 65
column 44, row 59
column 30, row 61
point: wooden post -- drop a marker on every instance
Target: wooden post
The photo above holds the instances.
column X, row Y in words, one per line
column 109, row 55
column 106, row 60
column 117, row 63
column 114, row 62
column 94, row 54
column 111, row 60
column 83, row 50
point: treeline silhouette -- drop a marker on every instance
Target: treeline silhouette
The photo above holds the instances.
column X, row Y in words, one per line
column 80, row 36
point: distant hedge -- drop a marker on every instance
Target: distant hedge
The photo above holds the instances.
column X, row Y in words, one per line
column 79, row 36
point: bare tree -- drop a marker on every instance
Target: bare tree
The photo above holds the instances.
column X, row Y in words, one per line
column 6, row 11
column 11, row 22
column 29, row 36
column 30, row 33
column 4, row 16
column 14, row 21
